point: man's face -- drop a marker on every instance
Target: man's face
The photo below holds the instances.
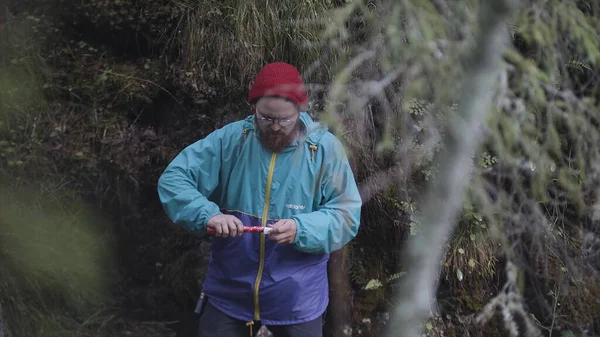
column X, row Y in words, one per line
column 278, row 122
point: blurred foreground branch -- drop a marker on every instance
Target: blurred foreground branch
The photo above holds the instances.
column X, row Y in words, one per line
column 445, row 195
column 1, row 322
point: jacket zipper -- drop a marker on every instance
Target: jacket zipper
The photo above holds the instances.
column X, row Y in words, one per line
column 262, row 236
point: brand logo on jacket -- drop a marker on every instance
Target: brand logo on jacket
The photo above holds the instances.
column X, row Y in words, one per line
column 292, row 206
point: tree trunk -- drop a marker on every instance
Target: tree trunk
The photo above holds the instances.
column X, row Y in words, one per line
column 444, row 198
column 340, row 301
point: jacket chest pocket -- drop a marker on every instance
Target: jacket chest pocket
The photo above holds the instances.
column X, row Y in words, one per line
column 300, row 195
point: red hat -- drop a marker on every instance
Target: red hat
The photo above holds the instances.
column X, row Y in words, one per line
column 279, row 79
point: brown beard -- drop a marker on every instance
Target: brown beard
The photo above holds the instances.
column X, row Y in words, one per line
column 277, row 141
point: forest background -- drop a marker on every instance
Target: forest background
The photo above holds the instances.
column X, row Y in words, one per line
column 97, row 96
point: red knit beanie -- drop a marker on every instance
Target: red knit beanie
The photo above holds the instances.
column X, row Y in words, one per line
column 279, row 79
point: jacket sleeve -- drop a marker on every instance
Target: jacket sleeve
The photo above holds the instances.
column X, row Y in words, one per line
column 188, row 181
column 337, row 220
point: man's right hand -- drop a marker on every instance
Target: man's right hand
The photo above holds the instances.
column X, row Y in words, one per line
column 226, row 225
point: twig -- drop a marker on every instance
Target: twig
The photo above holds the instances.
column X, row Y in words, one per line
column 554, row 309
column 146, row 81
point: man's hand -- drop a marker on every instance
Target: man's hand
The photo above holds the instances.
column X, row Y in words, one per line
column 284, row 231
column 226, row 225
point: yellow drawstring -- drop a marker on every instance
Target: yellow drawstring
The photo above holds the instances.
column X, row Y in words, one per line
column 313, row 149
column 245, row 132
column 250, row 324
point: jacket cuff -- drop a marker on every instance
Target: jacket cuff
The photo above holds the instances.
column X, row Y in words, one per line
column 207, row 215
column 300, row 240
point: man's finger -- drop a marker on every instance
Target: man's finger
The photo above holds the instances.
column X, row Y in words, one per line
column 225, row 229
column 218, row 229
column 287, row 238
column 228, row 226
column 278, row 230
column 274, row 234
column 286, row 226
column 281, row 227
column 279, row 237
column 239, row 225
column 277, row 227
column 234, row 228
column 276, row 237
column 282, row 238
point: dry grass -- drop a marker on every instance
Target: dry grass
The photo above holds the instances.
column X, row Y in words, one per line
column 233, row 39
column 472, row 252
column 564, row 284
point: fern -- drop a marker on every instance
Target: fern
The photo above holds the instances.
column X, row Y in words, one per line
column 579, row 65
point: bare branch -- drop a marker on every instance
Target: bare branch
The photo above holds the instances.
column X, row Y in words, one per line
column 445, row 195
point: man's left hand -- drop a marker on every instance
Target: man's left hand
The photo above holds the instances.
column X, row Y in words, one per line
column 284, row 231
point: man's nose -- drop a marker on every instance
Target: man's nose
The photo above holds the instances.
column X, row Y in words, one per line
column 275, row 126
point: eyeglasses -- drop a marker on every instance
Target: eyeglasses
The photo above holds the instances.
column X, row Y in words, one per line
column 269, row 121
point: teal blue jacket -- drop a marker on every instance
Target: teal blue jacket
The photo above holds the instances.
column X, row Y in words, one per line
column 229, row 172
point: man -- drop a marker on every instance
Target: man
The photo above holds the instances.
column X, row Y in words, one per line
column 276, row 168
